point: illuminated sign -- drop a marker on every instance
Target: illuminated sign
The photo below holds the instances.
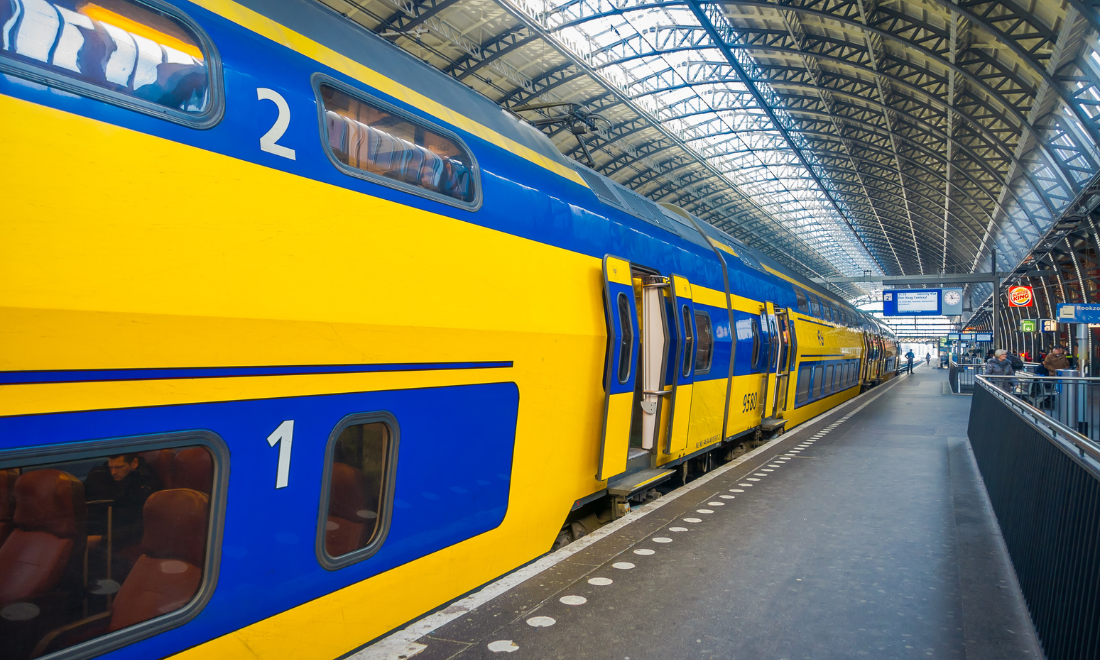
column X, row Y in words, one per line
column 1078, row 313
column 912, row 302
column 1020, row 296
column 983, row 336
column 1048, row 325
column 1027, row 325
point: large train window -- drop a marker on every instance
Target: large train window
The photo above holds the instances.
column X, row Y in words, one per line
column 705, row 353
column 803, row 302
column 815, row 306
column 142, row 55
column 372, row 140
column 358, row 492
column 803, row 391
column 108, row 543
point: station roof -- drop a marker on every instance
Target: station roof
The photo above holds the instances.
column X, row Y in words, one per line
column 898, row 137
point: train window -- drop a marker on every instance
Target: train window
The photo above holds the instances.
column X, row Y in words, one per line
column 819, row 381
column 803, row 391
column 689, row 340
column 355, row 502
column 705, row 353
column 626, row 344
column 141, row 55
column 815, row 306
column 803, row 302
column 829, row 385
column 373, row 140
column 106, row 537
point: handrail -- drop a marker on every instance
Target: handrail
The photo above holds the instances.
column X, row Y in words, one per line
column 1058, row 433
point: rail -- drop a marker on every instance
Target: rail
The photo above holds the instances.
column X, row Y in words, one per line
column 1072, row 401
column 1043, row 480
column 961, row 376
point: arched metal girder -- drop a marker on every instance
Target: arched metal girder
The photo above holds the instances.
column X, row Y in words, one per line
column 987, row 148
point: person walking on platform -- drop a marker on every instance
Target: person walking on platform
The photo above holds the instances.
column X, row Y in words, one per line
column 927, row 358
column 1000, row 365
column 1056, row 360
column 909, row 357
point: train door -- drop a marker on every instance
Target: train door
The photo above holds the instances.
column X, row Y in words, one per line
column 620, row 372
column 654, row 387
column 781, row 362
column 682, row 369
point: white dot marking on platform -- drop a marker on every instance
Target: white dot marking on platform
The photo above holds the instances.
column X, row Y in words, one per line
column 766, row 470
column 675, row 529
column 745, row 485
column 622, row 565
column 692, row 520
column 664, row 539
column 760, row 474
column 736, row 490
column 573, row 600
column 503, row 646
column 644, row 551
column 716, row 504
column 727, row 497
column 540, row 622
column 599, row 581
column 751, row 479
column 775, row 465
column 703, row 511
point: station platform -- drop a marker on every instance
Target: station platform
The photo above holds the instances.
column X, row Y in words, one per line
column 864, row 533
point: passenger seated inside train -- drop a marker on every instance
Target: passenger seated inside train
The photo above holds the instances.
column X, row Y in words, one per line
column 73, row 568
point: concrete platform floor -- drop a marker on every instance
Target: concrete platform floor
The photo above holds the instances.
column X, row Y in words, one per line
column 865, row 534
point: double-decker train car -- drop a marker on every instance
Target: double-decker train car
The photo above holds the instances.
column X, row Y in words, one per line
column 300, row 338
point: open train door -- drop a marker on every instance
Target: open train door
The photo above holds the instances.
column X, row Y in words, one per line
column 620, row 371
column 683, row 367
column 780, row 365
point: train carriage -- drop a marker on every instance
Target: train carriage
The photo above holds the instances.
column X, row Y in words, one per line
column 301, row 338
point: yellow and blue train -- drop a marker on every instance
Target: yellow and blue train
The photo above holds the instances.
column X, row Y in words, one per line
column 300, row 338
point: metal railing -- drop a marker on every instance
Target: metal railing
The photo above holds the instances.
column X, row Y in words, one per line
column 962, row 376
column 1072, row 401
column 1043, row 480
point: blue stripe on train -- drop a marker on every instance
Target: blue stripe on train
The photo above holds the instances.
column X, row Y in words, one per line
column 454, row 468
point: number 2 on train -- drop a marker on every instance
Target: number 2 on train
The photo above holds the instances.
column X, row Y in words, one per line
column 284, row 437
column 271, row 137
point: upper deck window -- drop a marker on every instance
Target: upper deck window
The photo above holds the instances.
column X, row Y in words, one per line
column 139, row 54
column 373, row 140
column 803, row 302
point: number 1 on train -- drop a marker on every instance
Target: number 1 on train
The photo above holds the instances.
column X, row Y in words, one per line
column 284, row 437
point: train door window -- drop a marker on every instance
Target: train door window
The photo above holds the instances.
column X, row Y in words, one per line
column 803, row 302
column 373, row 140
column 110, row 535
column 755, row 323
column 357, row 496
column 819, row 381
column 705, row 353
column 626, row 344
column 803, row 392
column 145, row 57
column 689, row 341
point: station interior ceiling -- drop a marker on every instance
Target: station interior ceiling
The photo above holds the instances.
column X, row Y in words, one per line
column 840, row 137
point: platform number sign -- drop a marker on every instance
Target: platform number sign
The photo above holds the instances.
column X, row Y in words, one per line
column 269, row 140
column 284, row 437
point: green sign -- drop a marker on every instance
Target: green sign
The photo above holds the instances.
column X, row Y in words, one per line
column 1027, row 325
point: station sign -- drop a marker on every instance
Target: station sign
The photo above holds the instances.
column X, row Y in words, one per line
column 953, row 336
column 913, row 302
column 1020, row 296
column 1028, row 325
column 1074, row 313
column 969, row 336
column 1048, row 325
column 983, row 336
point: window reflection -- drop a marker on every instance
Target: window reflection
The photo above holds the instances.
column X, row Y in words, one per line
column 356, row 487
column 118, row 45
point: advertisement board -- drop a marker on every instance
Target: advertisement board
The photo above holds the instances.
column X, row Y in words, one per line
column 1020, row 296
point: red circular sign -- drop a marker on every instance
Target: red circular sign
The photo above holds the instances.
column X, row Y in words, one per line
column 1019, row 296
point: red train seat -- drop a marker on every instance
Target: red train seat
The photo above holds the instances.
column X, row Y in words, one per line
column 49, row 515
column 193, row 468
column 169, row 572
column 7, row 502
column 160, row 461
column 350, row 521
